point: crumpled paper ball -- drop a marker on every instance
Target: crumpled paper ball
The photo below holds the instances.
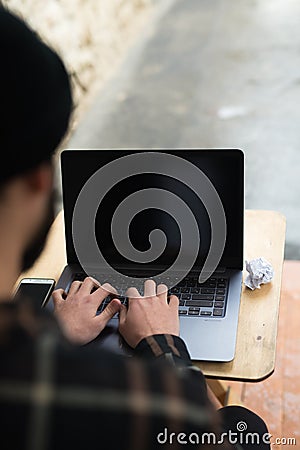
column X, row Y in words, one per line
column 260, row 272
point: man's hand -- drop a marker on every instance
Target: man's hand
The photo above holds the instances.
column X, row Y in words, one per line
column 76, row 311
column 148, row 315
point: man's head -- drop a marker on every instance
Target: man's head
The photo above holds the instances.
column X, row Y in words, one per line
column 35, row 109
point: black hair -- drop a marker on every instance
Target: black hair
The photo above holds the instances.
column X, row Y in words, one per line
column 35, row 98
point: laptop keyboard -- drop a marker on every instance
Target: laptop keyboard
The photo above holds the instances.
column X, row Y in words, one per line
column 195, row 300
column 201, row 300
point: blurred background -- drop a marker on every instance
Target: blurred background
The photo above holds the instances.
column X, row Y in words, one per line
column 187, row 73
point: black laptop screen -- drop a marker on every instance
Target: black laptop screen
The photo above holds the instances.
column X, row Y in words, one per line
column 225, row 170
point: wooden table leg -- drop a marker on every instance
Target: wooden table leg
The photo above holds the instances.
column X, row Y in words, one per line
column 226, row 395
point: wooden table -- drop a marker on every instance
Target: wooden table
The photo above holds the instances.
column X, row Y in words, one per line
column 258, row 318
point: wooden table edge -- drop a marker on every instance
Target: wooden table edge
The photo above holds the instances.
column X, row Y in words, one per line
column 264, row 374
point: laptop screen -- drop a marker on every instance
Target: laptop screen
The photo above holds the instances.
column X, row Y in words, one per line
column 225, row 170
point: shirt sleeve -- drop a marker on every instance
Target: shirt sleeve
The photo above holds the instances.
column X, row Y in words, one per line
column 164, row 346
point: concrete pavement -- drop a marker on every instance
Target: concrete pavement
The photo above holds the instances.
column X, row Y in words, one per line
column 214, row 73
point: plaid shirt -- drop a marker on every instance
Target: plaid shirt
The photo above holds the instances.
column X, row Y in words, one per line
column 54, row 395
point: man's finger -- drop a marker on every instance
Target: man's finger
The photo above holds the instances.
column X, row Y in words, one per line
column 174, row 302
column 87, row 285
column 149, row 288
column 162, row 292
column 111, row 309
column 58, row 297
column 122, row 315
column 59, row 294
column 101, row 293
column 74, row 287
column 133, row 294
column 108, row 287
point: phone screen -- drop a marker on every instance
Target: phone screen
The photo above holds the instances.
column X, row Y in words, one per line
column 38, row 292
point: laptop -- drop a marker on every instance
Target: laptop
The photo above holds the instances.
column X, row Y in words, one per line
column 176, row 216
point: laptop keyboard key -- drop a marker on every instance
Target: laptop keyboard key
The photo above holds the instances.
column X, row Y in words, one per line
column 202, row 297
column 182, row 312
column 219, row 305
column 175, row 290
column 220, row 291
column 207, row 291
column 195, row 291
column 205, row 313
column 199, row 303
column 218, row 312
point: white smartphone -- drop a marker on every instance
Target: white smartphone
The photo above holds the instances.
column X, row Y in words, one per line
column 37, row 289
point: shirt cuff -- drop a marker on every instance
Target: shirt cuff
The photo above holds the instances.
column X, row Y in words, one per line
column 159, row 345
